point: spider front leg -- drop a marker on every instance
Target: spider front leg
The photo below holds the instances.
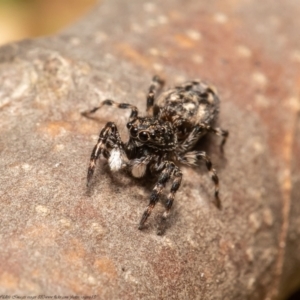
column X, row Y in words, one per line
column 168, row 170
column 220, row 132
column 111, row 146
column 155, row 87
column 192, row 158
column 134, row 110
column 198, row 132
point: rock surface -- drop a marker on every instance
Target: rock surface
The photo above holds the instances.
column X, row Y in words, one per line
column 57, row 238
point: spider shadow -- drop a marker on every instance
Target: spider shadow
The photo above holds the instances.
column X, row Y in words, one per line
column 123, row 180
column 94, row 118
column 208, row 143
column 163, row 224
column 157, row 220
column 102, row 170
column 211, row 144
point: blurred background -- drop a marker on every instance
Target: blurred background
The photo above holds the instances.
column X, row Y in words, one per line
column 21, row 19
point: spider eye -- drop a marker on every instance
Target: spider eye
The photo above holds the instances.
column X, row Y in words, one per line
column 133, row 131
column 129, row 125
column 152, row 135
column 143, row 136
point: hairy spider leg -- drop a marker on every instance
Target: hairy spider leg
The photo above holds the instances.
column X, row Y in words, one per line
column 220, row 132
column 109, row 136
column 175, row 186
column 191, row 158
column 198, row 132
column 139, row 165
column 134, row 110
column 155, row 87
column 169, row 169
column 189, row 143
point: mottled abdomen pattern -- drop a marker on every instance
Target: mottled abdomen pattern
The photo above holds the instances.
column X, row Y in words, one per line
column 194, row 102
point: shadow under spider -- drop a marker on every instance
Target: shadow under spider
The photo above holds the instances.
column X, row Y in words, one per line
column 146, row 183
column 207, row 143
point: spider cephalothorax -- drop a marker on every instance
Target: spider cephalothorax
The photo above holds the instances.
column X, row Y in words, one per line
column 176, row 120
column 153, row 132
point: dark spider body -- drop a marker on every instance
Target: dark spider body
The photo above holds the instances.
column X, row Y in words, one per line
column 177, row 119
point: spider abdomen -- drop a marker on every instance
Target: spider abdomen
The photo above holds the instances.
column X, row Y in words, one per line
column 193, row 103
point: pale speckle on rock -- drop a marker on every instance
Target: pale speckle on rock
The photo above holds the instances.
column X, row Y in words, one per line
column 249, row 254
column 168, row 242
column 157, row 67
column 149, row 7
column 295, row 56
column 194, row 34
column 243, row 51
column 198, row 59
column 65, row 223
column 282, row 244
column 251, row 282
column 254, row 222
column 94, row 137
column 191, row 241
column 220, row 18
column 59, row 147
column 42, row 210
column 26, row 167
column 284, row 177
column 97, row 229
column 260, row 79
column 154, row 51
column 129, row 277
column 258, row 147
column 294, row 103
column 268, row 217
column 162, row 19
column 75, row 41
column 91, row 280
column 180, row 78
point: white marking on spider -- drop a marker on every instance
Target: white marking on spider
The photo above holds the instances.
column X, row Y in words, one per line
column 189, row 106
column 115, row 160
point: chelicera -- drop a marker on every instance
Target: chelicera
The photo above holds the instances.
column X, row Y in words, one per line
column 163, row 139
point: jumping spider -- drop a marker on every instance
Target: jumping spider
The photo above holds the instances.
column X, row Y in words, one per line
column 176, row 120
